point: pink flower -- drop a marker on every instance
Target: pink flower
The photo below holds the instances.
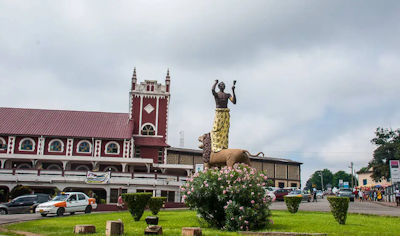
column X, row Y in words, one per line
column 206, row 185
column 252, row 193
column 224, row 192
column 232, row 218
column 252, row 201
column 184, row 197
column 240, row 218
column 188, row 193
column 225, row 207
column 204, row 182
column 241, row 208
column 246, row 222
column 219, row 178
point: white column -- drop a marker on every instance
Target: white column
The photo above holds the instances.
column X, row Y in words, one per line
column 140, row 114
column 157, row 108
column 158, row 193
column 97, row 148
column 69, row 147
column 178, row 196
column 40, row 146
column 123, row 167
column 11, row 144
column 108, row 195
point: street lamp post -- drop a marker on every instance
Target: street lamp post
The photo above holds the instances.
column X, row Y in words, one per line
column 322, row 180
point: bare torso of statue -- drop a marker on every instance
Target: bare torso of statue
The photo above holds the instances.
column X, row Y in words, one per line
column 221, row 98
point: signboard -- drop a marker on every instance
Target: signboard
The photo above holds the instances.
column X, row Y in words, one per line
column 97, row 178
column 345, row 184
column 394, row 171
column 340, row 183
column 199, row 168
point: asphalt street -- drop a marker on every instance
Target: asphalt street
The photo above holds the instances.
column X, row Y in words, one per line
column 354, row 207
column 321, row 205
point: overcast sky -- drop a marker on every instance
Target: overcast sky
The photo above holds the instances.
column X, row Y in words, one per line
column 314, row 78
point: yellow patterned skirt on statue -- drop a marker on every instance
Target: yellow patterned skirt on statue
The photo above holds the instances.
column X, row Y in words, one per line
column 220, row 130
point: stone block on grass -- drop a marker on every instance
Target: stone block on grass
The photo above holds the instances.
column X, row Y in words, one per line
column 84, row 229
column 153, row 229
column 191, row 231
column 114, row 227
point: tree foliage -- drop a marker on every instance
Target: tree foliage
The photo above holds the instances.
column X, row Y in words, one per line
column 328, row 178
column 316, row 179
column 388, row 148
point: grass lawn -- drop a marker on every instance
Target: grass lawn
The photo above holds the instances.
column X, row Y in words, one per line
column 173, row 221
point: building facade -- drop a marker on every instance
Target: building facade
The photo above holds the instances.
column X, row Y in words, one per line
column 51, row 150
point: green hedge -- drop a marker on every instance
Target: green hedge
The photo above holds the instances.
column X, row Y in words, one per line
column 136, row 203
column 155, row 204
column 292, row 203
column 339, row 207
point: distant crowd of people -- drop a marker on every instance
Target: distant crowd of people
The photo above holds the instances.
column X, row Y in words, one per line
column 370, row 195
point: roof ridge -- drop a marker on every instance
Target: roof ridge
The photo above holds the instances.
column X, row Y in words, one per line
column 41, row 109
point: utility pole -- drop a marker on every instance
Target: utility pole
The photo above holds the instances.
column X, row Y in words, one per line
column 352, row 177
column 322, row 180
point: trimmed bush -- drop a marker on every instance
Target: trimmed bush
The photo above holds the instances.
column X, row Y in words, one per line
column 292, row 203
column 155, row 204
column 229, row 198
column 339, row 207
column 136, row 203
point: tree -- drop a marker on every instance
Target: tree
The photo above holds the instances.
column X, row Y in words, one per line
column 344, row 176
column 388, row 142
column 316, row 179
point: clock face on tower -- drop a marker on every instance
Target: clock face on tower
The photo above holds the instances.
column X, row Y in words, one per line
column 149, row 108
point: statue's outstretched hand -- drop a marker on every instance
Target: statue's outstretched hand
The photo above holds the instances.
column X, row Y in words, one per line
column 216, row 81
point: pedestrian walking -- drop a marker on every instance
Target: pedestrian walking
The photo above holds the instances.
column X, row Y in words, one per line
column 120, row 202
column 397, row 192
column 360, row 195
column 375, row 196
column 314, row 195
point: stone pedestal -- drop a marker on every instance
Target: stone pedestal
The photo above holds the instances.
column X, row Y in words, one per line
column 191, row 231
column 114, row 228
column 84, row 229
column 153, row 229
column 152, row 220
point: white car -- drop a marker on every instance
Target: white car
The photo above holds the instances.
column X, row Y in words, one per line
column 70, row 202
column 269, row 192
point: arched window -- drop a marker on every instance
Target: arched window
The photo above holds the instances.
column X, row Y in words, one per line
column 3, row 144
column 27, row 144
column 82, row 168
column 84, row 147
column 56, row 145
column 24, row 166
column 111, row 168
column 54, row 167
column 148, row 129
column 112, row 148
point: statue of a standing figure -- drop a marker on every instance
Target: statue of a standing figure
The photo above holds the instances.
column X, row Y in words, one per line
column 220, row 130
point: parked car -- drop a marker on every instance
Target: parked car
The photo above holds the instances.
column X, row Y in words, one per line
column 269, row 192
column 70, row 202
column 304, row 195
column 320, row 194
column 346, row 192
column 23, row 204
column 280, row 193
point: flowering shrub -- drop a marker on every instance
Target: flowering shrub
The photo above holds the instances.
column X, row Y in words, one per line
column 232, row 199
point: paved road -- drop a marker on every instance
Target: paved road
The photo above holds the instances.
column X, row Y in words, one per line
column 321, row 205
column 355, row 207
column 7, row 219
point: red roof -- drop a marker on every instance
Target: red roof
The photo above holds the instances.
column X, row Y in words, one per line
column 150, row 141
column 36, row 122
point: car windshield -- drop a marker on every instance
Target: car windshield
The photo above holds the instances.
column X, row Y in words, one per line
column 61, row 197
column 296, row 192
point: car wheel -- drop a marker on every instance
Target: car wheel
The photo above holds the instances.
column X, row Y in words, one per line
column 43, row 214
column 72, row 213
column 308, row 200
column 3, row 212
column 88, row 209
column 60, row 211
